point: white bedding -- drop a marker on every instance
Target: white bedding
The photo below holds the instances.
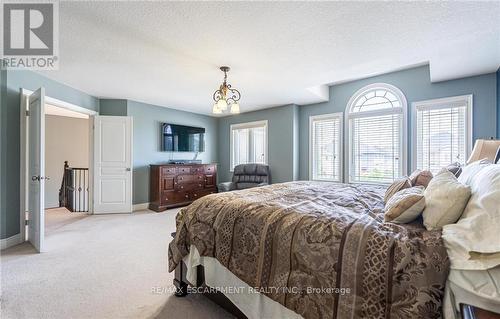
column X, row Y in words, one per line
column 252, row 303
column 473, row 243
column 479, row 288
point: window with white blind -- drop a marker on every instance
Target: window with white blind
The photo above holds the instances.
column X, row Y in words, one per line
column 325, row 133
column 442, row 132
column 248, row 143
column 376, row 116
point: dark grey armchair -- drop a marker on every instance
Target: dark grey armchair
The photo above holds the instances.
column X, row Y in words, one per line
column 247, row 176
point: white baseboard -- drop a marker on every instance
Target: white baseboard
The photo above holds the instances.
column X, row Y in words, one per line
column 143, row 206
column 11, row 241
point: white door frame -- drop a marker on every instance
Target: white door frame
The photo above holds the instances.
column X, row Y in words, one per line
column 24, row 156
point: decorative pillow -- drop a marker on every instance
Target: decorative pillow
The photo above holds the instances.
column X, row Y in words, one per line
column 455, row 168
column 420, row 178
column 413, row 176
column 396, row 186
column 405, row 205
column 445, row 200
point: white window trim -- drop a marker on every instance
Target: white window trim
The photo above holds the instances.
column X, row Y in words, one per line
column 404, row 123
column 313, row 118
column 441, row 103
column 239, row 126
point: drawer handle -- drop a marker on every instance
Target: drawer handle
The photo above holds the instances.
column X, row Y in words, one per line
column 186, row 196
column 199, row 185
column 195, row 195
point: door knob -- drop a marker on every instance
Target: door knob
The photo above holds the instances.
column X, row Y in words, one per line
column 39, row 178
column 128, row 169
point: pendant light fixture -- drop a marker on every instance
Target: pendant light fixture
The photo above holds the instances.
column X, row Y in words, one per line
column 226, row 98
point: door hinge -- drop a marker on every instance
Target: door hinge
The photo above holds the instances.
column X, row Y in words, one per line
column 26, row 222
column 27, row 113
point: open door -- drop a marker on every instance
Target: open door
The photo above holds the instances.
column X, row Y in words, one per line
column 36, row 169
column 112, row 164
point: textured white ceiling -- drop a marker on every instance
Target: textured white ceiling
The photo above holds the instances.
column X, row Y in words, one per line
column 168, row 53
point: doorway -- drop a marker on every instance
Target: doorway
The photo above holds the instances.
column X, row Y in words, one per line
column 109, row 165
column 53, row 132
column 67, row 147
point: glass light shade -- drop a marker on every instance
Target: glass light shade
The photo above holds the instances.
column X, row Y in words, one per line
column 235, row 108
column 222, row 105
column 216, row 109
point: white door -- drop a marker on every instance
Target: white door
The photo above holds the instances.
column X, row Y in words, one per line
column 36, row 169
column 112, row 164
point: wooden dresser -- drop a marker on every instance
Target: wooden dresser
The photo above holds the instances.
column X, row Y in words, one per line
column 173, row 185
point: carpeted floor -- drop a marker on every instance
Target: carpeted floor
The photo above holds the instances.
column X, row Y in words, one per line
column 58, row 217
column 104, row 266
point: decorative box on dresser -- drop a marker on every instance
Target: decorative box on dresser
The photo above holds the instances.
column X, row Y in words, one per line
column 173, row 185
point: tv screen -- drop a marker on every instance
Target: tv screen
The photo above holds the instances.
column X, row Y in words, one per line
column 180, row 138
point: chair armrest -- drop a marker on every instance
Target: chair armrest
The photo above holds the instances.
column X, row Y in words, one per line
column 226, row 187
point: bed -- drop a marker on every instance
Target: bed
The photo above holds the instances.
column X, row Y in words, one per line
column 312, row 250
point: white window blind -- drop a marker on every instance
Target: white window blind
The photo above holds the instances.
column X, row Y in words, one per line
column 249, row 143
column 377, row 135
column 375, row 148
column 326, row 147
column 442, row 132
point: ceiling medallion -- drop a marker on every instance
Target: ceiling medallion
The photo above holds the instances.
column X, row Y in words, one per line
column 226, row 98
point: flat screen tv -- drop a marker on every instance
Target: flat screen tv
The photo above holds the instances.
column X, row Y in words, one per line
column 180, row 138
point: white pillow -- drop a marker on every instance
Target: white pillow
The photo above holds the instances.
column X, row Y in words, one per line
column 471, row 170
column 445, row 200
column 474, row 241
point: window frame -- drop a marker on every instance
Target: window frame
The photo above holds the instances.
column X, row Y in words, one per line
column 312, row 118
column 248, row 125
column 403, row 109
column 440, row 103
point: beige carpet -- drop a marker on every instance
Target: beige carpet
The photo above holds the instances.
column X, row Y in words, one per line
column 56, row 218
column 99, row 267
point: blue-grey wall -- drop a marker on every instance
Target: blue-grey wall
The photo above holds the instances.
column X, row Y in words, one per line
column 12, row 82
column 498, row 103
column 415, row 84
column 281, row 142
column 147, row 119
column 113, row 107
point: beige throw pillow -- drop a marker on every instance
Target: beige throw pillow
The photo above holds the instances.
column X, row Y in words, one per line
column 445, row 200
column 405, row 205
column 420, row 178
column 396, row 186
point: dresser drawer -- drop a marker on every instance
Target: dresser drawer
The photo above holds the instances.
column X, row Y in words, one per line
column 168, row 171
column 200, row 193
column 174, row 197
column 197, row 170
column 168, row 198
column 184, row 169
column 185, row 179
column 209, row 169
column 189, row 186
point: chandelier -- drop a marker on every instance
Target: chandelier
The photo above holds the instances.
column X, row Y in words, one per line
column 226, row 98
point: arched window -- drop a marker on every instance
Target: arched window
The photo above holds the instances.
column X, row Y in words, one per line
column 376, row 116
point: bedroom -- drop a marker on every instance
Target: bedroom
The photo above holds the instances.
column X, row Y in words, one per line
column 336, row 101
